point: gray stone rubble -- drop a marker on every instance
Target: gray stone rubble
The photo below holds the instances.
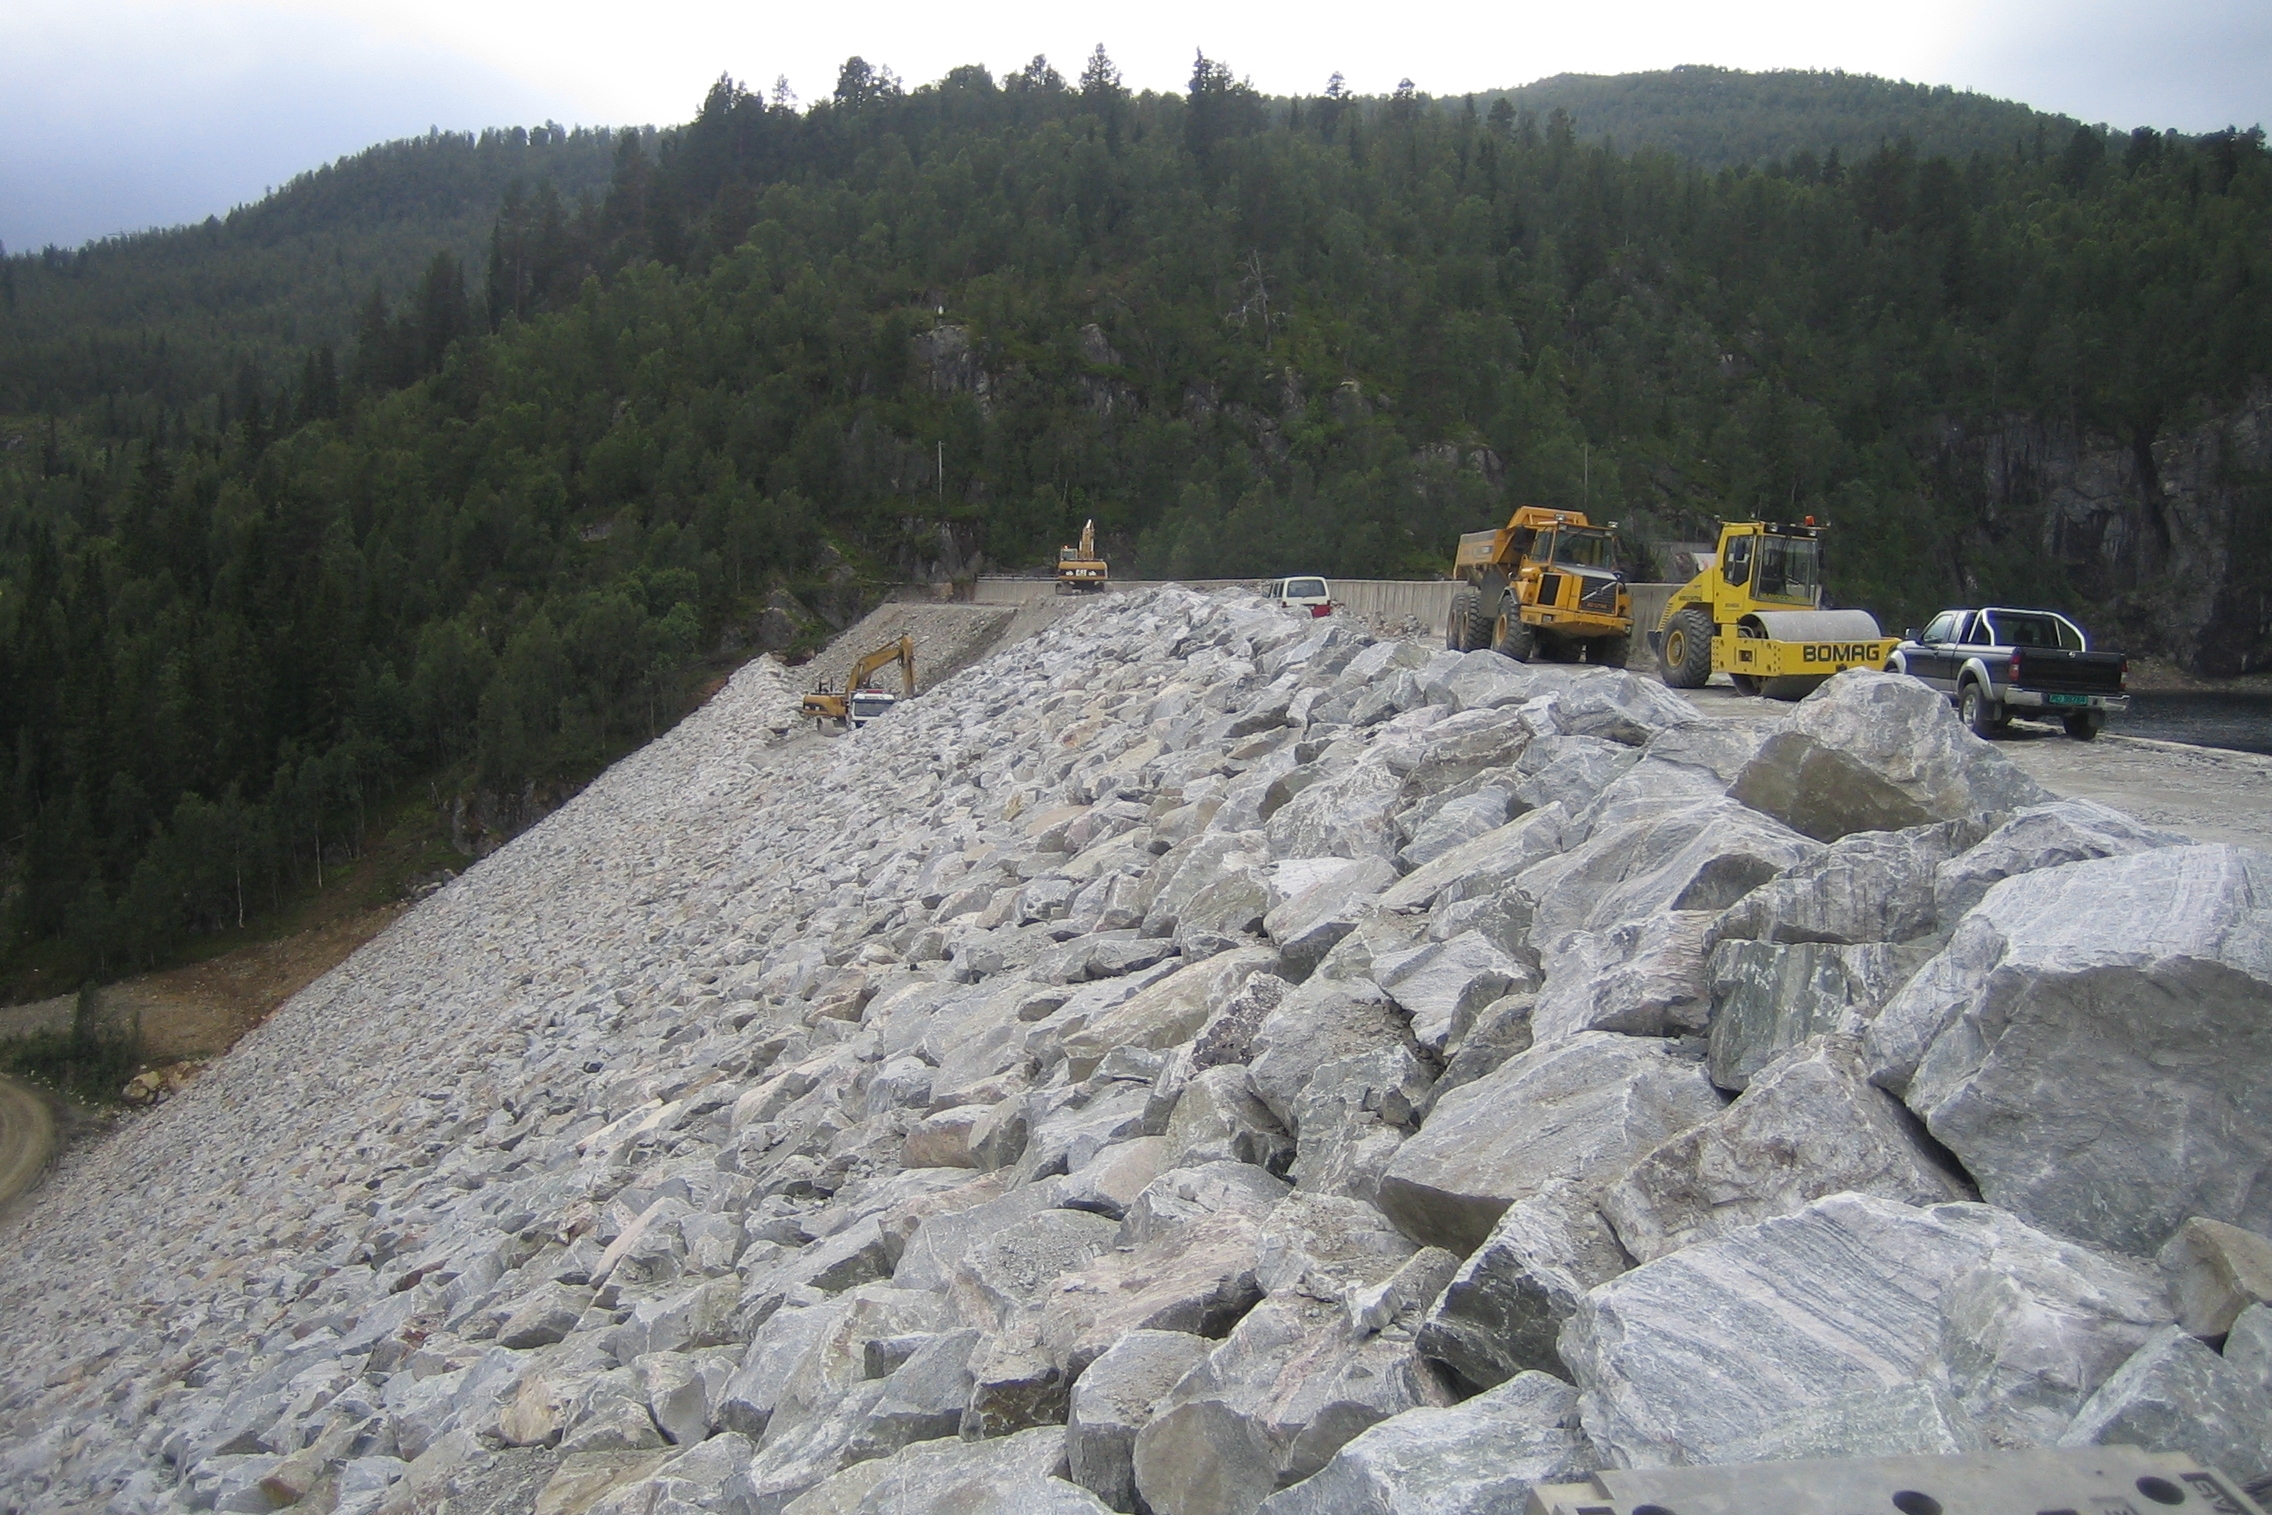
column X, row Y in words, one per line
column 1199, row 1060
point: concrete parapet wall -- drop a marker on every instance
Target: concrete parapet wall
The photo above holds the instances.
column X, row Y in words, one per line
column 1427, row 600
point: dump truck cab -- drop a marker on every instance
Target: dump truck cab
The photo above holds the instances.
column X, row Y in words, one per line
column 1544, row 586
column 1755, row 614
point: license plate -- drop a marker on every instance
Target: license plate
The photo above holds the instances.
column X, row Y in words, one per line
column 2069, row 699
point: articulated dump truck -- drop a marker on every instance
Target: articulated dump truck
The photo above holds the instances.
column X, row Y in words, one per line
column 1544, row 586
column 1755, row 614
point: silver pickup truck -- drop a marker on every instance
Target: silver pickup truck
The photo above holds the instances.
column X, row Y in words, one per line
column 1998, row 660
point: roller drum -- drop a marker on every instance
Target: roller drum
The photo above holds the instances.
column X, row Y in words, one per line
column 1817, row 625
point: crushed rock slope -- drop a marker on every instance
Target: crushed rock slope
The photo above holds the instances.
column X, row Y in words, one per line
column 1196, row 1057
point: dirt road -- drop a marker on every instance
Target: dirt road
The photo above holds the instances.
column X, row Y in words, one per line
column 27, row 1135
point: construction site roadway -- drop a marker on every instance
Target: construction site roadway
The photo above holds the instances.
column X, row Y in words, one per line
column 27, row 1135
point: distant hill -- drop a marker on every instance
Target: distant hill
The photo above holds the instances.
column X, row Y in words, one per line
column 174, row 320
column 170, row 318
column 1726, row 118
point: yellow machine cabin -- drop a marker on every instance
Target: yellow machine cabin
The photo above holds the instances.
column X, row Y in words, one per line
column 1079, row 569
column 858, row 704
column 1755, row 614
column 1543, row 586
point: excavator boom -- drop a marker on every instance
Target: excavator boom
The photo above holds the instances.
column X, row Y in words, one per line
column 901, row 652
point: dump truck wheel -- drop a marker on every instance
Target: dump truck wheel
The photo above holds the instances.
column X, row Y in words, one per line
column 2083, row 725
column 1463, row 627
column 1613, row 652
column 1978, row 712
column 1512, row 636
column 1687, row 650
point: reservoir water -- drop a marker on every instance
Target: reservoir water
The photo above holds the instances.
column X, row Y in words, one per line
column 2239, row 721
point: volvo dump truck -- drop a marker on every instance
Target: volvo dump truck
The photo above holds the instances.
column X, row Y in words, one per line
column 1755, row 614
column 1079, row 569
column 859, row 704
column 1544, row 586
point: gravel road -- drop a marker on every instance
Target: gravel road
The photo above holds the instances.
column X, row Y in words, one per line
column 26, row 1136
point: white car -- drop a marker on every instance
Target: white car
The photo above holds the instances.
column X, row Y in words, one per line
column 1311, row 596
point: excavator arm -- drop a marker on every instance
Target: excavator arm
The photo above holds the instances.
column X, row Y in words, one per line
column 901, row 652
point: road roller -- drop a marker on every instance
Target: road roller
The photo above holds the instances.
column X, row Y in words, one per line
column 1755, row 613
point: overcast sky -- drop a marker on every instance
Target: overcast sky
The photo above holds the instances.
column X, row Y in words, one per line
column 122, row 114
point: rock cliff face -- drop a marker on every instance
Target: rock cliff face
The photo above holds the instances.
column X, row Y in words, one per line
column 2170, row 533
column 1195, row 1061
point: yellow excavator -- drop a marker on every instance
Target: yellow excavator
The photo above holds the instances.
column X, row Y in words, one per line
column 1755, row 614
column 858, row 704
column 1079, row 569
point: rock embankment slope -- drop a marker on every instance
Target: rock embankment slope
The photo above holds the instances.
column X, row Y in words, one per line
column 1202, row 1061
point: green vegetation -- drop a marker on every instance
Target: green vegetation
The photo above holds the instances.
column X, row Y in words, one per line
column 85, row 1060
column 1721, row 118
column 490, row 544
column 175, row 328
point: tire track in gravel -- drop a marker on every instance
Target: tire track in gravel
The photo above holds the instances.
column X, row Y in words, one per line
column 27, row 1135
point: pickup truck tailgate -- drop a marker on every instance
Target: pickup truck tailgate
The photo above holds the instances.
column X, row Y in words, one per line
column 2056, row 670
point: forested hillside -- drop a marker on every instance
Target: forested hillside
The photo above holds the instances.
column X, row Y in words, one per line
column 1725, row 118
column 1246, row 335
column 159, row 327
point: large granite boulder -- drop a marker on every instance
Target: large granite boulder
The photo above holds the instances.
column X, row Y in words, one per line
column 1879, row 752
column 1307, row 925
column 2041, row 836
column 1021, row 1472
column 1114, row 1399
column 2095, row 1044
column 1584, row 1108
column 1502, row 1312
column 1199, row 1279
column 1871, row 886
column 1480, row 1457
column 1336, row 1063
column 1705, row 857
column 1768, row 997
column 2215, row 1273
column 1272, row 1404
column 1168, row 1012
column 1482, row 867
column 1808, row 1126
column 2175, row 1395
column 1643, row 979
column 1685, row 1358
column 1443, row 984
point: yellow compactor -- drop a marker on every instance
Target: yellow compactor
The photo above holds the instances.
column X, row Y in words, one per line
column 858, row 704
column 1544, row 586
column 1755, row 614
